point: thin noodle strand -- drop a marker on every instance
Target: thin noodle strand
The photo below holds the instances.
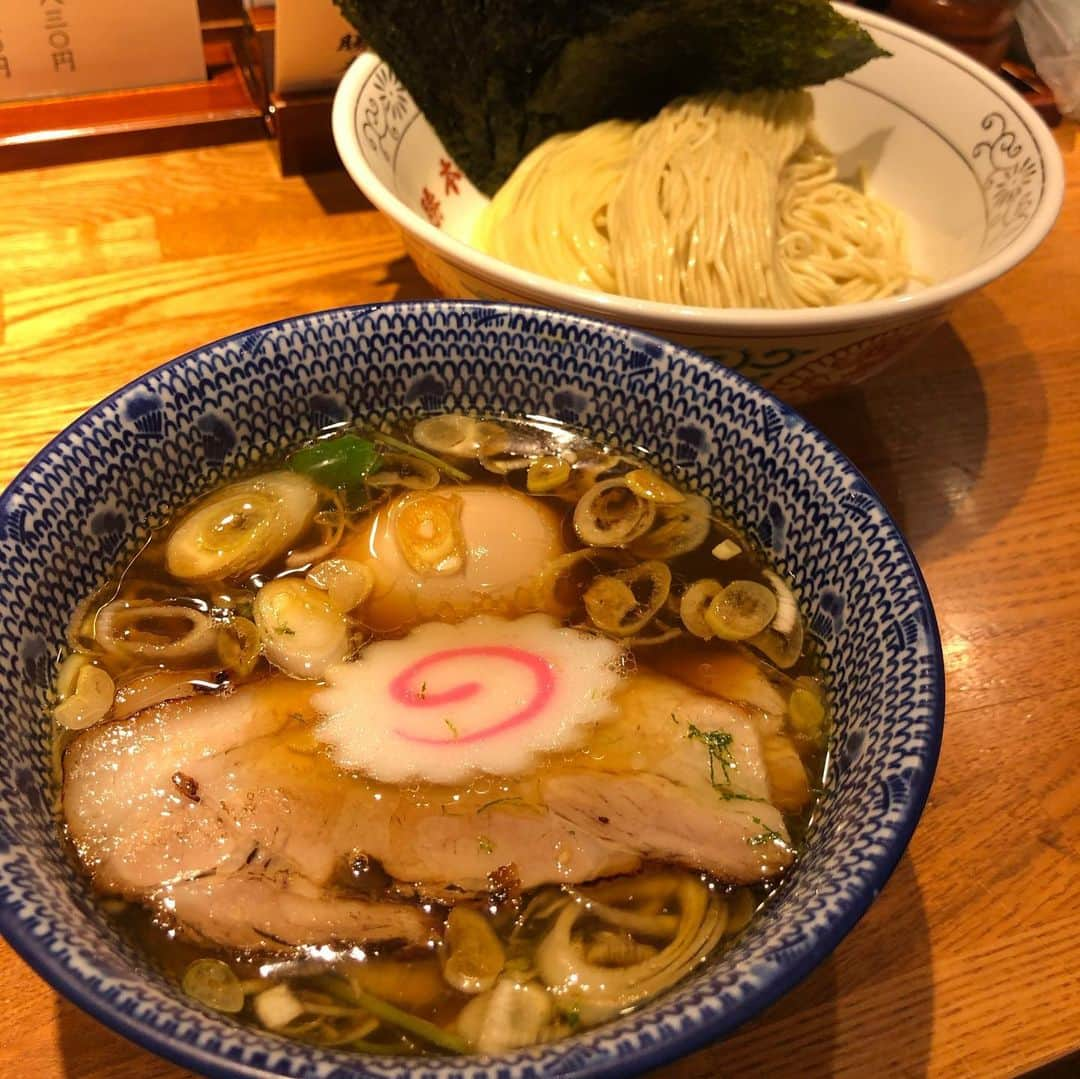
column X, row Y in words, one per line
column 720, row 201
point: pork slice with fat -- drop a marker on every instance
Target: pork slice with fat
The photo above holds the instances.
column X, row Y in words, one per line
column 227, row 814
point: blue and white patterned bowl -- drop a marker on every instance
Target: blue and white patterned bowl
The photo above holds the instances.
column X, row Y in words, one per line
column 96, row 489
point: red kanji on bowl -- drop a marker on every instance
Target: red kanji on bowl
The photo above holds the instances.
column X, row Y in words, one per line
column 431, row 207
column 450, row 174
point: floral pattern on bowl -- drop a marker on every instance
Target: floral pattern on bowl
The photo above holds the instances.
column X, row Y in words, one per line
column 974, row 170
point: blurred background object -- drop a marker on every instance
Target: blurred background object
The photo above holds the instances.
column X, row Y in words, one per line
column 312, row 47
column 980, row 28
column 1051, row 30
column 215, row 97
column 1042, row 62
column 51, row 49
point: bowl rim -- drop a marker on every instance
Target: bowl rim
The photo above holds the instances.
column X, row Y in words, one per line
column 531, row 287
column 674, row 1045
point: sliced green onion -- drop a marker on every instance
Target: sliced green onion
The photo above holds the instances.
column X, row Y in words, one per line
column 679, row 529
column 474, row 955
column 696, row 600
column 421, row 455
column 366, row 1046
column 460, row 436
column 405, row 470
column 424, row 1030
column 647, row 484
column 238, row 645
column 213, row 983
column 68, row 674
column 341, row 463
column 388, row 1013
column 300, row 629
column 546, row 474
column 242, row 527
column 89, row 703
column 726, row 549
column 427, row 527
column 783, row 651
column 625, row 602
column 346, row 582
column 741, row 610
column 609, row 514
column 806, row 710
column 787, row 610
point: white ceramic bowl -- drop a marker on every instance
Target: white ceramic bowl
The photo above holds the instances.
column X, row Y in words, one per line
column 973, row 168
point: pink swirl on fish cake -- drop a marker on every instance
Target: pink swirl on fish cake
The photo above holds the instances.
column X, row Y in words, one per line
column 402, row 690
column 485, row 696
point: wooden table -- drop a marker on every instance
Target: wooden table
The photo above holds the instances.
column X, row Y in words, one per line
column 969, row 963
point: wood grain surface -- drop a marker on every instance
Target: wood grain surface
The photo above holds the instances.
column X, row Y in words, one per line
column 969, row 962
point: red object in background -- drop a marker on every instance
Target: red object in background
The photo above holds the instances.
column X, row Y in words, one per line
column 981, row 28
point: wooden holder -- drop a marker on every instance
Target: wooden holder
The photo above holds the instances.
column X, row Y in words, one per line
column 299, row 122
column 229, row 107
column 301, row 126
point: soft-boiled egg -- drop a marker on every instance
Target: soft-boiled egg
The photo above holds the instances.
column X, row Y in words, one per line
column 452, row 553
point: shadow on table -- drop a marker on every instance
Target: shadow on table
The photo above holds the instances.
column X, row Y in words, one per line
column 407, row 281
column 919, row 431
column 867, row 1010
column 88, row 1048
column 336, row 192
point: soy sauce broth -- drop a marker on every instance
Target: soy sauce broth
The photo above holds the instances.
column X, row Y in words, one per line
column 400, row 999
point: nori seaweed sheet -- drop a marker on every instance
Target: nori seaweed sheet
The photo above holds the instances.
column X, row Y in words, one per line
column 497, row 77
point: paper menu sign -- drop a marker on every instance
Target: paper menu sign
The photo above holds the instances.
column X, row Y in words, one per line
column 60, row 47
column 313, row 45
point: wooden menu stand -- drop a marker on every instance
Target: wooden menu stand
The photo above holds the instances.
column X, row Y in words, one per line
column 298, row 121
column 233, row 105
column 229, row 107
column 301, row 125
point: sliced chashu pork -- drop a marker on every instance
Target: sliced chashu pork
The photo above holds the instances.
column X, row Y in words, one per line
column 162, row 808
column 226, row 812
column 257, row 909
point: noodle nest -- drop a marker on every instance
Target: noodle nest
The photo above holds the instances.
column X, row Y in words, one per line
column 720, row 201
